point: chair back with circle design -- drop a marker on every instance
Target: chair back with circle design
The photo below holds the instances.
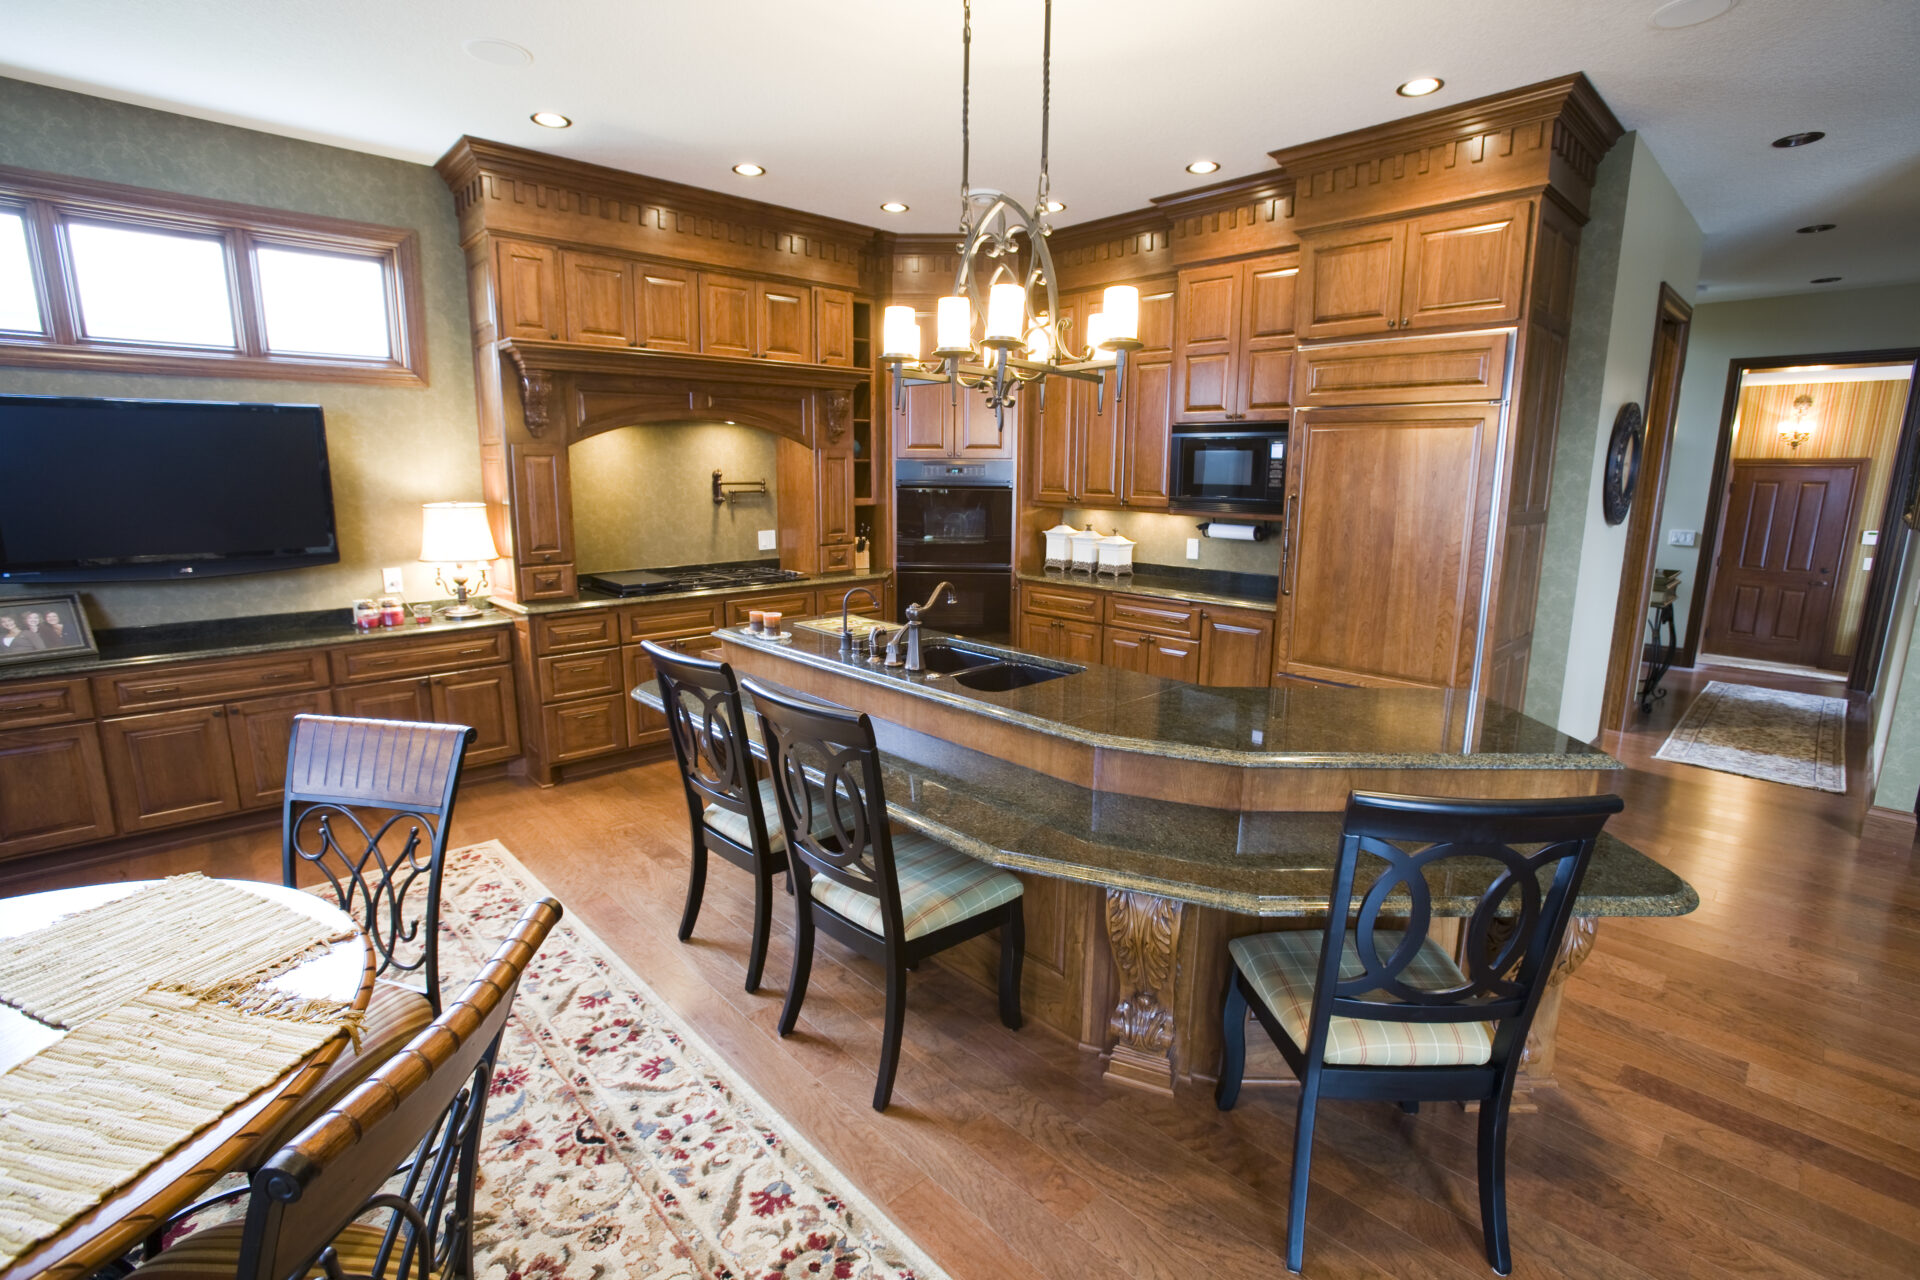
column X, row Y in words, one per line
column 833, row 809
column 708, row 727
column 368, row 804
column 1520, row 862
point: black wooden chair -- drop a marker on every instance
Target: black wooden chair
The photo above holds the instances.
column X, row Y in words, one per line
column 726, row 806
column 895, row 897
column 1380, row 1010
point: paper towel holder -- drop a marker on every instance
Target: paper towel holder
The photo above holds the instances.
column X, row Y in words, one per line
column 1260, row 532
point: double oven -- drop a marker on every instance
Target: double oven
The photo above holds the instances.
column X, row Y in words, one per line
column 954, row 522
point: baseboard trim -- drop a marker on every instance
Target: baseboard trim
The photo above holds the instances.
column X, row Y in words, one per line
column 1904, row 819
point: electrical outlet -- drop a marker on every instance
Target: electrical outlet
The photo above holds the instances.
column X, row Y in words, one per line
column 392, row 582
column 1193, row 548
column 769, row 539
column 1682, row 537
column 1866, row 563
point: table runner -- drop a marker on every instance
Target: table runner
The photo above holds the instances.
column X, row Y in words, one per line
column 187, row 931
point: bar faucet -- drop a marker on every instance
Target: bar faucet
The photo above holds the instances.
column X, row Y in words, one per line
column 846, row 635
column 913, row 626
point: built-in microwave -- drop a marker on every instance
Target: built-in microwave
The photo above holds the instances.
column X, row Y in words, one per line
column 1231, row 471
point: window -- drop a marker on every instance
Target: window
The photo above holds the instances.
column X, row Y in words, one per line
column 108, row 277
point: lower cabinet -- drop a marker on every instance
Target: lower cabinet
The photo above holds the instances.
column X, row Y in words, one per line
column 1166, row 656
column 388, row 700
column 646, row 726
column 1069, row 640
column 1176, row 639
column 484, row 700
column 170, row 767
column 53, row 789
column 259, row 731
column 1236, row 648
column 587, row 728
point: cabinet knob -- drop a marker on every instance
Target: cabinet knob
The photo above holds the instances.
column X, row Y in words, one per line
column 1403, row 322
column 1391, row 322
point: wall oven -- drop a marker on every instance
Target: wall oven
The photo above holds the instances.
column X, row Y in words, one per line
column 954, row 521
column 1230, row 471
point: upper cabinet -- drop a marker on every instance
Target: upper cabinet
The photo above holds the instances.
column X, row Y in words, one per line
column 726, row 315
column 755, row 319
column 669, row 307
column 1463, row 267
column 933, row 426
column 833, row 327
column 599, row 299
column 529, row 290
column 1233, row 340
column 1089, row 450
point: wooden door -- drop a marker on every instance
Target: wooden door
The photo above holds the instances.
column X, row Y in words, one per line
column 169, row 767
column 388, row 700
column 783, row 322
column 1207, row 310
column 1782, row 546
column 922, row 428
column 1173, row 659
column 260, row 730
column 1466, row 267
column 1040, row 635
column 1149, row 415
column 727, row 306
column 1385, row 549
column 669, row 308
column 599, row 299
column 1236, row 648
column 976, row 436
column 646, row 726
column 542, row 504
column 1263, row 373
column 833, row 327
column 1352, row 280
column 1128, row 650
column 1157, row 306
column 590, row 727
column 529, row 290
column 836, row 498
column 1056, row 429
column 484, row 700
column 55, row 789
column 1076, row 641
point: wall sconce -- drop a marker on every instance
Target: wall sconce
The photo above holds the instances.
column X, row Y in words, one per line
column 1798, row 429
column 454, row 536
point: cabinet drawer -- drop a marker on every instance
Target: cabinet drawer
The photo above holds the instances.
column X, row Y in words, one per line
column 1056, row 603
column 836, row 558
column 791, row 604
column 189, row 682
column 44, row 702
column 547, row 582
column 1404, row 371
column 572, row 632
column 1150, row 613
column 654, row 622
column 356, row 663
column 590, row 727
column 579, row 675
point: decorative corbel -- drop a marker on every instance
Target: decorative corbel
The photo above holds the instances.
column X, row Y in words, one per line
column 536, row 387
column 839, row 409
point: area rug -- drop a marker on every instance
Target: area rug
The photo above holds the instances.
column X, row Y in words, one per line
column 1796, row 738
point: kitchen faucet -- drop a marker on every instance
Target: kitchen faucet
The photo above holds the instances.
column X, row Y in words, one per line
column 846, row 636
column 912, row 628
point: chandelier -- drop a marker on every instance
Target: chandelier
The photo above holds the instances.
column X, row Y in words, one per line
column 1001, row 327
column 1798, row 429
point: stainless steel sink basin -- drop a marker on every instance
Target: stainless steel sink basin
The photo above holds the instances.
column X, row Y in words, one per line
column 1002, row 676
column 941, row 657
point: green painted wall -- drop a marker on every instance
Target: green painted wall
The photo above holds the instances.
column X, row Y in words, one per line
column 392, row 448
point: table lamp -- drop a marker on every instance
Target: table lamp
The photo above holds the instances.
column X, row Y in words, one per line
column 456, row 537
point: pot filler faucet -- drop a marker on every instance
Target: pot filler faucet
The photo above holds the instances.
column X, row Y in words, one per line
column 941, row 594
column 846, row 635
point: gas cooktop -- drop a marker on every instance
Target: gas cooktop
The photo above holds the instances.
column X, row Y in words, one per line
column 687, row 577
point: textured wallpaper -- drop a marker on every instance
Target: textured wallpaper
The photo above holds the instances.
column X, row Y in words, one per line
column 391, row 448
column 1163, row 540
column 643, row 496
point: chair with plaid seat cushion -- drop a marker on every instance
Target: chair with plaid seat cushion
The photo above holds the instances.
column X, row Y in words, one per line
column 895, row 897
column 1380, row 1010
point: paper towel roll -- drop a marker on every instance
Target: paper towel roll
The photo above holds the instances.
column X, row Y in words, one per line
column 1232, row 532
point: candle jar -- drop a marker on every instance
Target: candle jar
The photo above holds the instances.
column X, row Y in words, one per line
column 770, row 622
column 422, row 614
column 756, row 621
column 366, row 615
column 392, row 612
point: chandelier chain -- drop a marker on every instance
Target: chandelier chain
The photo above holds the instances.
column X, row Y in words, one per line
column 966, row 105
column 1046, row 106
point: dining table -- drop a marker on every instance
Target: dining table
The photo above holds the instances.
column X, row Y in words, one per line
column 341, row 972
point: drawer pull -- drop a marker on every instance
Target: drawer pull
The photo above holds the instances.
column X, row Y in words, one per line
column 474, row 653
column 380, row 662
column 38, row 704
column 280, row 677
column 160, row 690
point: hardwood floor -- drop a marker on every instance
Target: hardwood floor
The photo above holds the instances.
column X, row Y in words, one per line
column 1739, row 1089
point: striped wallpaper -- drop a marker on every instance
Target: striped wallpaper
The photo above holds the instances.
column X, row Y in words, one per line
column 1850, row 420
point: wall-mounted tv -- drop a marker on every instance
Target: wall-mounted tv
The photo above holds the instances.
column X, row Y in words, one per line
column 123, row 490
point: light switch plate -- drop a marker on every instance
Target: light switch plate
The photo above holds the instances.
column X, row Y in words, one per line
column 1866, row 563
column 1193, row 548
column 393, row 582
column 769, row 539
column 1682, row 537
column 1870, row 538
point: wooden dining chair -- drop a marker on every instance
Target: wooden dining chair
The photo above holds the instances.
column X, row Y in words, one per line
column 727, row 806
column 1379, row 1010
column 895, row 897
column 382, row 1184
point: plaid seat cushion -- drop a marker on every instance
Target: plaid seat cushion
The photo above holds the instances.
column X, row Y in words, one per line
column 939, row 886
column 213, row 1253
column 1282, row 968
column 734, row 826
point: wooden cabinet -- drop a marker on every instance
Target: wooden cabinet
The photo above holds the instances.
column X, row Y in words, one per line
column 1153, row 635
column 833, row 327
column 53, row 789
column 933, row 426
column 1061, row 602
column 576, row 675
column 584, row 729
column 1463, row 267
column 1149, row 414
column 383, row 660
column 1154, row 613
column 1442, row 370
column 1236, row 647
column 836, row 498
column 169, row 767
column 576, row 631
column 259, row 732
column 726, row 315
column 484, row 701
column 149, row 688
column 789, row 604
column 530, row 305
column 599, row 293
column 1168, row 657
column 668, row 305
column 1353, row 280
column 1233, row 341
column 645, row 726
column 23, row 706
column 783, row 322
column 393, row 700
column 1096, row 451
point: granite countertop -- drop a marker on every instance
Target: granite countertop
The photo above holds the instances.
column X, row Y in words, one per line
column 1261, row 863
column 1205, row 586
column 1299, row 725
column 843, row 580
column 234, row 637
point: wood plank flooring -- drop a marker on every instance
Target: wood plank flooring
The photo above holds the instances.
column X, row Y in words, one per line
column 1740, row 1088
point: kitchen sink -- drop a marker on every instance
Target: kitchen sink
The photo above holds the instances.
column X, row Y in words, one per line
column 941, row 658
column 1002, row 676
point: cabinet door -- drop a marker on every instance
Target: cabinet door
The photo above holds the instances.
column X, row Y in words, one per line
column 1264, row 376
column 1207, row 306
column 599, row 299
column 922, row 428
column 1076, row 641
column 727, row 308
column 1149, row 414
column 259, row 731
column 529, row 290
column 1466, row 267
column 484, row 700
column 1236, row 648
column 1394, row 598
column 542, row 504
column 784, row 322
column 54, row 787
column 1173, row 659
column 392, row 700
column 1352, row 280
column 1056, row 427
column 669, row 308
column 836, row 498
column 646, row 726
column 591, row 727
column 170, row 767
column 833, row 327
column 1040, row 635
column 976, row 435
column 1128, row 650
column 1157, row 299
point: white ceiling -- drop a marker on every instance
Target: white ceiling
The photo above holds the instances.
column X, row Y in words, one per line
column 851, row 102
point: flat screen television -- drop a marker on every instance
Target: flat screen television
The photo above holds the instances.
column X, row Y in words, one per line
column 123, row 490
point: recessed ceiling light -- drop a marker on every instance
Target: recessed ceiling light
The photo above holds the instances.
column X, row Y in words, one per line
column 550, row 120
column 1420, row 87
column 1825, row 280
column 1813, row 228
column 1054, row 206
column 1799, row 139
column 748, row 170
column 893, row 206
column 1203, row 166
column 501, row 53
column 1689, row 13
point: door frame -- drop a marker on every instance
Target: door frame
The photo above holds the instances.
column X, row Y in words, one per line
column 1876, row 610
column 1672, row 325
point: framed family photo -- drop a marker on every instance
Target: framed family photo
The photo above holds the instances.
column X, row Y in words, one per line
column 33, row 628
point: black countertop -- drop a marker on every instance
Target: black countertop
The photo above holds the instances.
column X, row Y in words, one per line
column 597, row 601
column 1206, row 586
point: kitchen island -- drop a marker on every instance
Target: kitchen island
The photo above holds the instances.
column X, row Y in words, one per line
column 1134, row 887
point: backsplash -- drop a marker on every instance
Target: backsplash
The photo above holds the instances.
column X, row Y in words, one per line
column 643, row 496
column 1163, row 538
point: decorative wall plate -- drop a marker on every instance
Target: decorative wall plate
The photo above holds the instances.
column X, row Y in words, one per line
column 1623, row 464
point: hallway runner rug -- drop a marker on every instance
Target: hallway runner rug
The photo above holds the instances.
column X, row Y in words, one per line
column 1796, row 738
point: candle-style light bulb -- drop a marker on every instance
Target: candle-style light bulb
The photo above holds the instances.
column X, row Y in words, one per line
column 1121, row 305
column 1006, row 312
column 1099, row 329
column 1040, row 343
column 900, row 332
column 953, row 326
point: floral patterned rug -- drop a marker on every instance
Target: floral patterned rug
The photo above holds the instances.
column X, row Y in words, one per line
column 1796, row 738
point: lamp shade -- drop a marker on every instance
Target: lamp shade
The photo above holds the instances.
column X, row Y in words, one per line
column 1006, row 312
column 900, row 335
column 953, row 324
column 1099, row 329
column 456, row 533
column 1121, row 305
column 1040, row 343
